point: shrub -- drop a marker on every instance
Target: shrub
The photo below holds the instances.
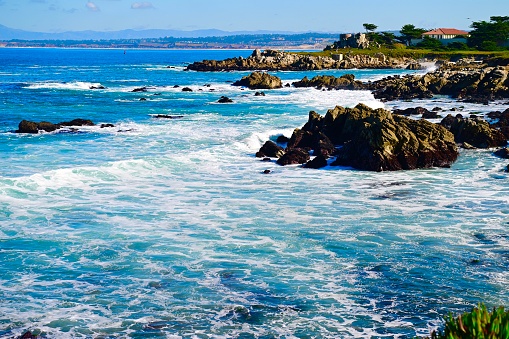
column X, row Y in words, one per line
column 477, row 324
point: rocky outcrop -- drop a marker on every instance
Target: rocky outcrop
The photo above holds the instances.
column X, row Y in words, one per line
column 271, row 60
column 294, row 156
column 31, row 127
column 271, row 150
column 464, row 80
column 346, row 81
column 473, row 131
column 374, row 140
column 259, row 80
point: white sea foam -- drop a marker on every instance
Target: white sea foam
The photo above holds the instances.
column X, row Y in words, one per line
column 75, row 85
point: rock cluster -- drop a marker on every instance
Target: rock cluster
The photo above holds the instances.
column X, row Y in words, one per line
column 259, row 80
column 369, row 139
column 271, row 60
column 465, row 80
column 31, row 127
column 329, row 82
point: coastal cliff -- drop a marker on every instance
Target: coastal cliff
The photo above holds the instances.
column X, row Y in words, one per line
column 271, row 60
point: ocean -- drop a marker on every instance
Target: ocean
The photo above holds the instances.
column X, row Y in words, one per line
column 168, row 228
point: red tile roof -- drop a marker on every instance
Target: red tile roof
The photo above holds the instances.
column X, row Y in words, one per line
column 446, row 31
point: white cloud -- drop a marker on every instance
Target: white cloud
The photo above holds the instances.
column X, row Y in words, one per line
column 142, row 5
column 92, row 7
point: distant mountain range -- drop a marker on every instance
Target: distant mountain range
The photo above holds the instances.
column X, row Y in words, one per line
column 7, row 34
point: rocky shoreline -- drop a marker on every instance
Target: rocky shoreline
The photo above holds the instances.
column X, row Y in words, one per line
column 271, row 60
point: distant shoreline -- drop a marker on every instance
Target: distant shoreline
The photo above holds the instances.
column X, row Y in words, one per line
column 165, row 49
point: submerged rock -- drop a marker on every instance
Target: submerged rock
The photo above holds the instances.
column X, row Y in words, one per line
column 224, row 100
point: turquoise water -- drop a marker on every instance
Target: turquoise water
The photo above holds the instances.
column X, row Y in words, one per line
column 166, row 228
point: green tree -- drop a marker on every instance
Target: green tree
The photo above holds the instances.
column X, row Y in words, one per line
column 431, row 43
column 410, row 32
column 488, row 35
column 370, row 27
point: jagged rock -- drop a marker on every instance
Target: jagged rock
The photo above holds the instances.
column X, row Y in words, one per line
column 502, row 153
column 376, row 140
column 372, row 140
column 379, row 141
column 346, row 81
column 224, row 100
column 186, row 89
column 97, row 87
column 309, row 140
column 294, row 157
column 259, row 94
column 26, row 126
column 475, row 132
column 259, row 80
column 270, row 149
column 107, row 125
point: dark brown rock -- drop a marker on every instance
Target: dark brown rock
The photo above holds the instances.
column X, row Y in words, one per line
column 411, row 111
column 270, row 149
column 376, row 140
column 77, row 122
column 186, row 89
column 47, row 126
column 259, row 80
column 140, row 89
column 224, row 100
column 26, row 126
column 319, row 161
column 502, row 153
column 294, row 157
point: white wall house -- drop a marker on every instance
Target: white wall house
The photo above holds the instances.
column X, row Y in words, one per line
column 445, row 33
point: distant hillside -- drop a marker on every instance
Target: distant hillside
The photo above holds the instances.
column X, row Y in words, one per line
column 7, row 33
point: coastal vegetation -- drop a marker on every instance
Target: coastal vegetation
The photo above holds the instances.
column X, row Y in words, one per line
column 480, row 323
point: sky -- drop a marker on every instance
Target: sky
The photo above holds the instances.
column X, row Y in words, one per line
column 244, row 15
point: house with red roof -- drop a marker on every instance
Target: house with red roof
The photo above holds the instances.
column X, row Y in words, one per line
column 446, row 33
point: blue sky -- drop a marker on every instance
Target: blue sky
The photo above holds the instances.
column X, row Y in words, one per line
column 236, row 15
